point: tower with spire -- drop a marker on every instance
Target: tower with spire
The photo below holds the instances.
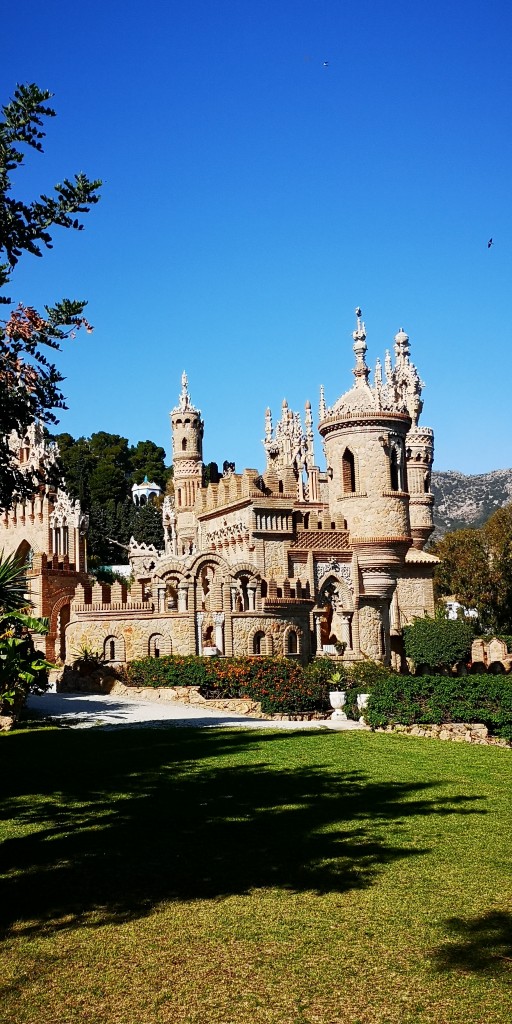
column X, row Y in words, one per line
column 187, row 458
column 373, row 445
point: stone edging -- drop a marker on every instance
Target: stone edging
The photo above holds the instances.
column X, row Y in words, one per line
column 457, row 732
column 190, row 695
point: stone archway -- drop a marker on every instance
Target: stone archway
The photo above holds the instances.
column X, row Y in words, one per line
column 59, row 620
column 334, row 618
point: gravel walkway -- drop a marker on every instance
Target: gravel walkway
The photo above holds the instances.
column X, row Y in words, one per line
column 86, row 711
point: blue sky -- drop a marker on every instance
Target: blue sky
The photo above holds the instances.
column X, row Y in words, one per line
column 253, row 197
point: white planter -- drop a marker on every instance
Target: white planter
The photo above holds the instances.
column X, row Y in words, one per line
column 337, row 700
column 362, row 703
column 210, row 652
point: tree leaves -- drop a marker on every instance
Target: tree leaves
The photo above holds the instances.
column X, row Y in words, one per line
column 476, row 569
column 30, row 382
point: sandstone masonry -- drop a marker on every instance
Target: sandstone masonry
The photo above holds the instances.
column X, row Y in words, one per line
column 296, row 561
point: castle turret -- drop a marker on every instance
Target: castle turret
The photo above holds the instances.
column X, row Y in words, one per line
column 420, row 444
column 187, row 457
column 364, row 437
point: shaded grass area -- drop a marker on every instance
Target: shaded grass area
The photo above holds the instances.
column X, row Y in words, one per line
column 188, row 875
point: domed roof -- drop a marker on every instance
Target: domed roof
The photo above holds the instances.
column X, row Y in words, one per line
column 399, row 391
column 360, row 398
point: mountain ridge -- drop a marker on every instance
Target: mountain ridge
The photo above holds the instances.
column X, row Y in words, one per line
column 463, row 499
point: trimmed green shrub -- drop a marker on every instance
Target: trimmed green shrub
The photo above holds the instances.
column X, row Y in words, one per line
column 432, row 700
column 438, row 643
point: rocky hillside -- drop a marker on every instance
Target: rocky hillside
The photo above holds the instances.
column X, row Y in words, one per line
column 468, row 500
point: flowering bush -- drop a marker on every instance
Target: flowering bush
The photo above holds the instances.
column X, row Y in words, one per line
column 281, row 685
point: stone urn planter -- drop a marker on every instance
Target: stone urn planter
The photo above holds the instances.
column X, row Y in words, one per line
column 337, row 700
column 210, row 652
column 362, row 703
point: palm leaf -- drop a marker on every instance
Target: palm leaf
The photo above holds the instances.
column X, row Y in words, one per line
column 34, row 625
column 13, row 583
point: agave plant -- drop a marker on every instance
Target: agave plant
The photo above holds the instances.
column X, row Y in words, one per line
column 336, row 680
column 13, row 583
column 21, row 667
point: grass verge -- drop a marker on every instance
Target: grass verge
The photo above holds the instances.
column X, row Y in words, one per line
column 218, row 876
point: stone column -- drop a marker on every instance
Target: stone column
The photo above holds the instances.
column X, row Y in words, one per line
column 234, row 595
column 199, row 626
column 182, row 597
column 251, row 591
column 219, row 631
column 318, row 632
column 161, row 599
column 345, row 630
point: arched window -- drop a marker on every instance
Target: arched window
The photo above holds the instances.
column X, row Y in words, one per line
column 25, row 554
column 184, row 444
column 292, row 642
column 159, row 645
column 395, row 464
column 258, row 642
column 114, row 648
column 348, row 471
column 281, row 487
column 426, row 483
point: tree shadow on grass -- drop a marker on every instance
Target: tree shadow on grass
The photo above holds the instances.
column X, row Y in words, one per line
column 109, row 825
column 480, row 945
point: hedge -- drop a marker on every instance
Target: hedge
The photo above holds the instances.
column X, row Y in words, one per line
column 281, row 685
column 438, row 642
column 415, row 700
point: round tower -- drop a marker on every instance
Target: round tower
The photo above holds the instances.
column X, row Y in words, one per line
column 420, row 456
column 187, row 459
column 364, row 436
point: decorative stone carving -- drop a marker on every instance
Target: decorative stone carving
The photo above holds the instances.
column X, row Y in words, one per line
column 342, row 569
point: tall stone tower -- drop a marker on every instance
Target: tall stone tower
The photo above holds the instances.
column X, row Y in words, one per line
column 371, row 437
column 187, row 458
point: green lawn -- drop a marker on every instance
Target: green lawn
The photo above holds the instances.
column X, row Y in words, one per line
column 220, row 877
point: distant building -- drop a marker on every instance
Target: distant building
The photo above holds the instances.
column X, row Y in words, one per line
column 297, row 560
column 144, row 492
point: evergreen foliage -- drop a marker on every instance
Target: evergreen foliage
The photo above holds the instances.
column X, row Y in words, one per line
column 21, row 667
column 432, row 700
column 476, row 569
column 438, row 643
column 100, row 471
column 30, row 381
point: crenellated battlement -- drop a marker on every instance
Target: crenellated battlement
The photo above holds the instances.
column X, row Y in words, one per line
column 110, row 598
column 228, row 491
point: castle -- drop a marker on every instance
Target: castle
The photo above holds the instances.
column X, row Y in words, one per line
column 294, row 561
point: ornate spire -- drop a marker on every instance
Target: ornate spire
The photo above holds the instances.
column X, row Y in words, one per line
column 361, row 371
column 402, row 345
column 322, row 411
column 268, row 425
column 184, row 400
column 184, row 395
column 308, row 420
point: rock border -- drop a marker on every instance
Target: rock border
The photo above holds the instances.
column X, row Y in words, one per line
column 456, row 732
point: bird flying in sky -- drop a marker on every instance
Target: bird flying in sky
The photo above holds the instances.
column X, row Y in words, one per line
column 489, row 243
